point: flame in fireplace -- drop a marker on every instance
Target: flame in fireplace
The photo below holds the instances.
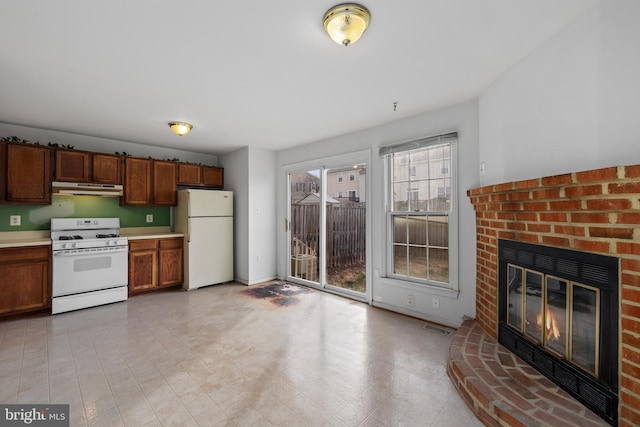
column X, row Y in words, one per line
column 551, row 326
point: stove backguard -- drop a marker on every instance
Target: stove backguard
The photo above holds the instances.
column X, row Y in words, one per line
column 558, row 310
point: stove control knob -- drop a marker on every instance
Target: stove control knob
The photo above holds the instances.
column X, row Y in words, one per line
column 64, row 246
column 73, row 245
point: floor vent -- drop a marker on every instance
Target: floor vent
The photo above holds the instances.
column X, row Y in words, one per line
column 439, row 329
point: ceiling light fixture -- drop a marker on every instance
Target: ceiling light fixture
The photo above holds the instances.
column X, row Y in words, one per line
column 180, row 128
column 345, row 23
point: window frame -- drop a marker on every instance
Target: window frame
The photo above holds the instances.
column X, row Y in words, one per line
column 388, row 153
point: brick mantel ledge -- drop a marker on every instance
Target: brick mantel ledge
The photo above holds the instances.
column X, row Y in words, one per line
column 503, row 390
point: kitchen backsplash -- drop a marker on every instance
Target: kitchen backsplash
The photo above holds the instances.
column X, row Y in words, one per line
column 38, row 217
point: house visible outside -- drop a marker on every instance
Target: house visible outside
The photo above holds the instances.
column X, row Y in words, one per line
column 347, row 184
column 302, row 185
column 422, row 181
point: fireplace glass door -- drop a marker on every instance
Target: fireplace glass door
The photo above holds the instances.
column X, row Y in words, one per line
column 555, row 319
column 560, row 315
column 533, row 305
column 585, row 301
column 514, row 297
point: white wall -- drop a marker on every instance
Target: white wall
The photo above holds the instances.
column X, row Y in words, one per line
column 251, row 174
column 236, row 179
column 389, row 294
column 571, row 105
column 262, row 215
column 103, row 145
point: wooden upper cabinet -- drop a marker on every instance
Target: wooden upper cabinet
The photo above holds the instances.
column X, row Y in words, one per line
column 137, row 181
column 213, row 176
column 149, row 182
column 73, row 166
column 200, row 176
column 107, row 168
column 165, row 190
column 28, row 173
column 189, row 174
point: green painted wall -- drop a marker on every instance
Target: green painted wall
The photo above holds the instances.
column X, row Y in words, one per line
column 38, row 217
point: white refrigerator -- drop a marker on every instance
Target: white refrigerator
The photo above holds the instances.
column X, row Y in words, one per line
column 205, row 217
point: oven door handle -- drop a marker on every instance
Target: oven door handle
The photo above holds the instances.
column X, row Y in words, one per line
column 81, row 252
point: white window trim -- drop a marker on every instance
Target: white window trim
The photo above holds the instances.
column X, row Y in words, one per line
column 453, row 287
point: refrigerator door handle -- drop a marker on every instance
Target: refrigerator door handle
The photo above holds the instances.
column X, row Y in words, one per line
column 286, row 225
column 188, row 231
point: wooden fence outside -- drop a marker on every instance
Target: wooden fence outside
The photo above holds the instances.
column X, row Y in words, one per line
column 346, row 231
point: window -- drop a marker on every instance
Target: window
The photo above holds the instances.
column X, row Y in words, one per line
column 352, row 194
column 413, row 196
column 340, row 177
column 340, row 194
column 352, row 176
column 420, row 210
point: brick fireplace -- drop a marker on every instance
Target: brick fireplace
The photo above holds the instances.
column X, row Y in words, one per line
column 595, row 211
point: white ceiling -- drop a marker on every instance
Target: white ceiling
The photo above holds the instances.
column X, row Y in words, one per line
column 258, row 73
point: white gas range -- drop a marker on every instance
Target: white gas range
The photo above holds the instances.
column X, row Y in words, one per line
column 90, row 263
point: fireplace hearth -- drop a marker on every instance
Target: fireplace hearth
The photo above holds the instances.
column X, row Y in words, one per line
column 558, row 311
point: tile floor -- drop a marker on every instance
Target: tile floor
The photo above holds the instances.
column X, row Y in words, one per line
column 217, row 357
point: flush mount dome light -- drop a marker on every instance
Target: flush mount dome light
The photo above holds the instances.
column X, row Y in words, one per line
column 180, row 128
column 345, row 23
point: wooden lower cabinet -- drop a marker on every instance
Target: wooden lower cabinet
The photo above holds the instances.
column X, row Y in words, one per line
column 25, row 279
column 155, row 263
column 170, row 262
column 143, row 265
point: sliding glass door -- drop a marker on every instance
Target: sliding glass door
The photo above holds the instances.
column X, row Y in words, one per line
column 345, row 231
column 304, row 225
column 327, row 227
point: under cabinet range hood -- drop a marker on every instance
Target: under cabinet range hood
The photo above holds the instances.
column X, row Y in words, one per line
column 86, row 189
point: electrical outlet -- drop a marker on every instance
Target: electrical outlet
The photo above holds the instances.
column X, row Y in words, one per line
column 14, row 220
column 435, row 302
column 411, row 302
column 149, row 218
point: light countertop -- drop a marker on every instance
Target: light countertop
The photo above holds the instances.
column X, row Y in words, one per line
column 135, row 233
column 13, row 239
